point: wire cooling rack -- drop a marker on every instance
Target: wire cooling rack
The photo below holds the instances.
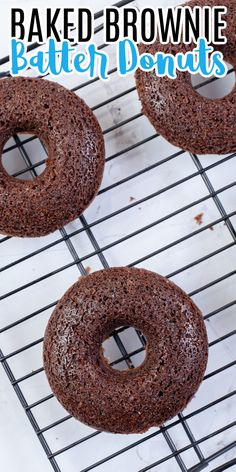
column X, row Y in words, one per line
column 160, row 208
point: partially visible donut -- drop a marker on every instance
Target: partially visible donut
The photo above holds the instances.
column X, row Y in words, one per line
column 185, row 118
column 128, row 401
column 75, row 161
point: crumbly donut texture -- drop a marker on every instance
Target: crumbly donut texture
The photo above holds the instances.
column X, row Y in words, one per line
column 129, row 401
column 177, row 112
column 75, row 161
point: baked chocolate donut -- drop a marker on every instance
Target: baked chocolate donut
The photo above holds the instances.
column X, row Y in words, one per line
column 129, row 401
column 185, row 118
column 75, row 161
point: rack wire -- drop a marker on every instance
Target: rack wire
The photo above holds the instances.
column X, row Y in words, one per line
column 183, row 443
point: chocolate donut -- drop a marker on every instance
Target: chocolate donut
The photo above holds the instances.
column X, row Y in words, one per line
column 185, row 118
column 74, row 168
column 129, row 401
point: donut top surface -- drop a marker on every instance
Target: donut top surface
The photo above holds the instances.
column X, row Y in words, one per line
column 74, row 168
column 177, row 111
column 131, row 400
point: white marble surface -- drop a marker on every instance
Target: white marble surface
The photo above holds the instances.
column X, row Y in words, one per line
column 19, row 447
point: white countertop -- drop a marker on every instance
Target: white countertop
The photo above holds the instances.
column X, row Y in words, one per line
column 20, row 449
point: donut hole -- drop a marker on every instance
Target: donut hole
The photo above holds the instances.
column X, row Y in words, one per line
column 22, row 152
column 213, row 88
column 125, row 348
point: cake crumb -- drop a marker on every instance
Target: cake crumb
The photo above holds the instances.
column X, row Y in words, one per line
column 198, row 218
column 211, row 228
column 88, row 270
column 131, row 199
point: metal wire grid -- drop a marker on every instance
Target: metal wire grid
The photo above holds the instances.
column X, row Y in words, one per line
column 176, row 453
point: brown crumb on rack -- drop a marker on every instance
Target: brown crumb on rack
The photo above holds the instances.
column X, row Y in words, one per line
column 211, row 228
column 198, row 218
column 131, row 199
column 88, row 270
